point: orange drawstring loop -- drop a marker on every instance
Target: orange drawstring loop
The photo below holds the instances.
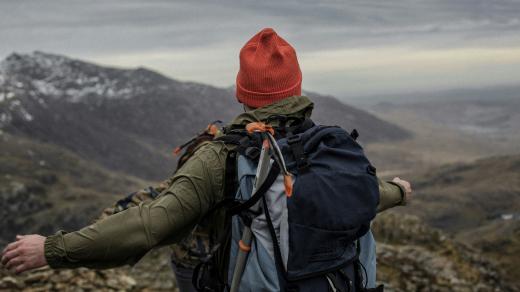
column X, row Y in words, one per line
column 288, row 183
column 262, row 127
column 259, row 127
column 243, row 246
column 212, row 129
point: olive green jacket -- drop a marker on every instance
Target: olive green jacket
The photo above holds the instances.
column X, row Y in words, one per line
column 194, row 189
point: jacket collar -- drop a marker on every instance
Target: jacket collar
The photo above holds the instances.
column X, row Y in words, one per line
column 294, row 106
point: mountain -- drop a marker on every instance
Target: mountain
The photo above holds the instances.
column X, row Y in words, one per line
column 447, row 130
column 476, row 192
column 489, row 113
column 126, row 120
column 330, row 111
column 129, row 120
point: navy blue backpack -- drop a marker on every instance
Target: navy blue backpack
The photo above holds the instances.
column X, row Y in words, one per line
column 305, row 195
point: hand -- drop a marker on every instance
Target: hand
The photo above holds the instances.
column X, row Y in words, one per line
column 26, row 253
column 407, row 188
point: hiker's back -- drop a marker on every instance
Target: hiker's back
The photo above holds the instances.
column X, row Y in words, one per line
column 304, row 239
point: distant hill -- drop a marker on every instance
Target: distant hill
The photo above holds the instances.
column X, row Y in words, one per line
column 44, row 187
column 478, row 203
column 129, row 120
column 463, row 196
column 488, row 93
column 490, row 113
column 330, row 111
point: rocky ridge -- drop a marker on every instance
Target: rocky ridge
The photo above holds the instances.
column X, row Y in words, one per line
column 415, row 257
column 476, row 203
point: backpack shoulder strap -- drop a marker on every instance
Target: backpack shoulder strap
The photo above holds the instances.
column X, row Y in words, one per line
column 259, row 193
column 246, row 144
column 230, row 179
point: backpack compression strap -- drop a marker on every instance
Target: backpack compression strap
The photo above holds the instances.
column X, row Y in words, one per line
column 259, row 193
column 234, row 206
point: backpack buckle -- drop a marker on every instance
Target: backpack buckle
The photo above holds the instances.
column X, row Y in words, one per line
column 294, row 139
column 354, row 134
column 296, row 145
column 253, row 153
column 248, row 216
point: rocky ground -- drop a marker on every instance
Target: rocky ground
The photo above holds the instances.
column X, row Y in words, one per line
column 415, row 257
column 153, row 273
column 411, row 257
column 71, row 280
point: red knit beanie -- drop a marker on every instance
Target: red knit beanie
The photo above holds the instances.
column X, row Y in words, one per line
column 269, row 70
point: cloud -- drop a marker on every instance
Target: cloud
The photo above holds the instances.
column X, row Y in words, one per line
column 200, row 40
column 393, row 70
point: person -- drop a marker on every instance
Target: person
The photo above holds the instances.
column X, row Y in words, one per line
column 268, row 83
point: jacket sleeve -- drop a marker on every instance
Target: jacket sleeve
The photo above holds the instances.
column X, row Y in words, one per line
column 135, row 198
column 390, row 195
column 125, row 237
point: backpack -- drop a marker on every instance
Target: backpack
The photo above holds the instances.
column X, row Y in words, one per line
column 304, row 197
column 188, row 148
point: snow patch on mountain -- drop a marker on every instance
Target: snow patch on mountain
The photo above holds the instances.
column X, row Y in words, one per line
column 6, row 96
column 54, row 76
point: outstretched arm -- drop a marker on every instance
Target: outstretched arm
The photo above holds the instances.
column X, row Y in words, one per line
column 126, row 236
column 394, row 193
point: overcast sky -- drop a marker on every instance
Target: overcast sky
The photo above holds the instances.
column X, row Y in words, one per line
column 345, row 48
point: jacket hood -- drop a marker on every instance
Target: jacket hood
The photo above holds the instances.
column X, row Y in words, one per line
column 294, row 106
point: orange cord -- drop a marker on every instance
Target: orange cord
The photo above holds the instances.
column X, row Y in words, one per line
column 176, row 151
column 288, row 183
column 212, row 129
column 259, row 127
column 243, row 246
